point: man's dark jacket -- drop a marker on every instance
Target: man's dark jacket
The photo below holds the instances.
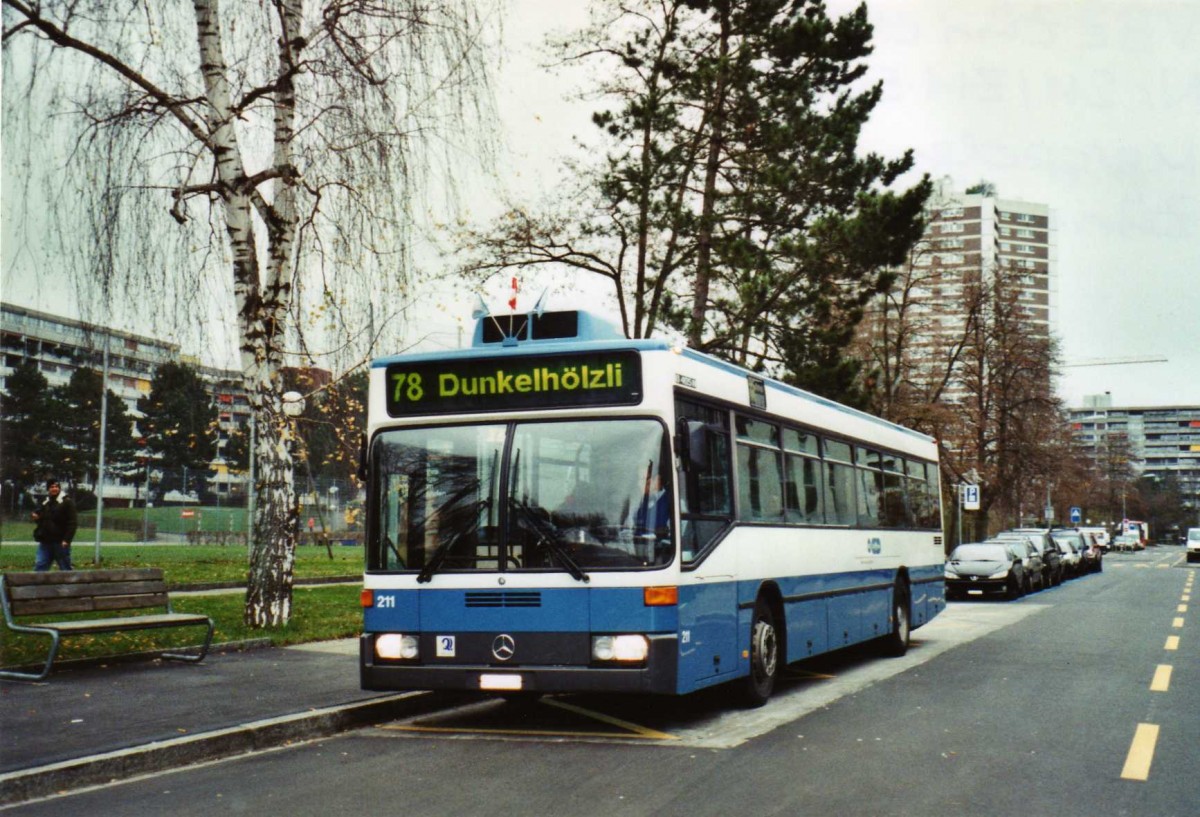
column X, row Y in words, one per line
column 57, row 521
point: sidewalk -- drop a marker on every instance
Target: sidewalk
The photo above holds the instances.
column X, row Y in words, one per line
column 96, row 723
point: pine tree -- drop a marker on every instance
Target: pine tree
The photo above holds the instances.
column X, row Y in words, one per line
column 178, row 425
column 31, row 449
column 731, row 203
column 76, row 411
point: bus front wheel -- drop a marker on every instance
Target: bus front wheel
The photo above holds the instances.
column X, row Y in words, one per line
column 764, row 655
column 895, row 643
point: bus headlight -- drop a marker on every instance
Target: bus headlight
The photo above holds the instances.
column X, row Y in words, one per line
column 397, row 647
column 627, row 648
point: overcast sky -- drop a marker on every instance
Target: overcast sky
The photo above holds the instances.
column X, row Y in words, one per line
column 1092, row 108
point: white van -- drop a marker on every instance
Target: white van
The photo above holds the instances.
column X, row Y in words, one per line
column 1193, row 545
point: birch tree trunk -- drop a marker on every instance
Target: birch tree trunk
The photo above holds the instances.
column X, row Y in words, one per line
column 288, row 138
column 262, row 304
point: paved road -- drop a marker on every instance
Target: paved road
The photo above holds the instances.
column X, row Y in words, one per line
column 1057, row 704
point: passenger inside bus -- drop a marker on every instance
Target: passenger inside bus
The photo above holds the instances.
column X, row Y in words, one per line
column 654, row 511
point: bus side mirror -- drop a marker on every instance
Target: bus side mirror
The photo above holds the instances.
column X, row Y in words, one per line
column 691, row 441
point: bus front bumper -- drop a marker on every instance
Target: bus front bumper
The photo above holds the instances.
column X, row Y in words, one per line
column 657, row 675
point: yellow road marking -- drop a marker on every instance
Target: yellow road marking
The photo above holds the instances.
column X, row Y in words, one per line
column 533, row 733
column 1181, row 608
column 1185, row 597
column 640, row 731
column 1172, row 643
column 1141, row 752
column 1177, row 623
column 633, row 730
column 1162, row 678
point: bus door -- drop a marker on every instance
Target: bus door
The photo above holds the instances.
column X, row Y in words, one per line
column 708, row 605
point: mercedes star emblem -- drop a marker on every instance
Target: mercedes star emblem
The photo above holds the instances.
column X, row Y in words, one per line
column 504, row 647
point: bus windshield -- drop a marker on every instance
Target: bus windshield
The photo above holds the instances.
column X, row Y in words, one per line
column 563, row 496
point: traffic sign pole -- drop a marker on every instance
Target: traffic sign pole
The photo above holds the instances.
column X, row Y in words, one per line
column 968, row 499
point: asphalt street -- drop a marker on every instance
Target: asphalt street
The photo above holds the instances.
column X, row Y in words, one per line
column 1056, row 704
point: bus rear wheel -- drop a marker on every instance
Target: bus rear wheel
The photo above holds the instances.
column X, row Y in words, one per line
column 764, row 656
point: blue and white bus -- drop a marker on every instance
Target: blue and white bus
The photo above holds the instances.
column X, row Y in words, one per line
column 561, row 509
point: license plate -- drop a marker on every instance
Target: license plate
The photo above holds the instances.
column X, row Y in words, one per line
column 504, row 683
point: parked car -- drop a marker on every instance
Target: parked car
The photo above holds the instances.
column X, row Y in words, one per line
column 1127, row 542
column 1072, row 558
column 1100, row 535
column 1031, row 560
column 1052, row 561
column 1193, row 545
column 1083, row 544
column 1035, row 568
column 1093, row 555
column 981, row 567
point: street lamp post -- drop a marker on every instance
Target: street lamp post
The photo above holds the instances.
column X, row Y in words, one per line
column 146, row 502
column 250, row 492
column 293, row 407
column 100, row 465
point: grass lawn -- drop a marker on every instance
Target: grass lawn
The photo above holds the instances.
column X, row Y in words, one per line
column 192, row 564
column 318, row 614
column 167, row 519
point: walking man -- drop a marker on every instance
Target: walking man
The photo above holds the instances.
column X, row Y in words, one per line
column 56, row 523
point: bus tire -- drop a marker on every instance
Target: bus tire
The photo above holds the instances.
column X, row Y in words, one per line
column 764, row 655
column 895, row 643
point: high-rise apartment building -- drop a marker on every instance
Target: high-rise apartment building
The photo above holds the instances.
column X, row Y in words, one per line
column 976, row 243
column 58, row 346
column 1163, row 442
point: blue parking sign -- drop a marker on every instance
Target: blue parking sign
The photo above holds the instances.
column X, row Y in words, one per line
column 1076, row 516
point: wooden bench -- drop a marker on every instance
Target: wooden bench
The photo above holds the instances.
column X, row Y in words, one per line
column 85, row 591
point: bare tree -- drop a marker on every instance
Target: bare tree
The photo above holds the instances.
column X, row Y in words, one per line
column 951, row 353
column 912, row 346
column 284, row 140
column 1007, row 410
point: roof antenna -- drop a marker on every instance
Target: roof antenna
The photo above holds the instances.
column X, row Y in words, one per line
column 480, row 311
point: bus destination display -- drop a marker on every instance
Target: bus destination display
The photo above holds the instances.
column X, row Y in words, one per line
column 507, row 384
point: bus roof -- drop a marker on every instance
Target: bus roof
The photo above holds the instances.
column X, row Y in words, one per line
column 572, row 331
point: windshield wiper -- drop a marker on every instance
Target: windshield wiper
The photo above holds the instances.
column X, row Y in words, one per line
column 439, row 555
column 548, row 535
column 443, row 550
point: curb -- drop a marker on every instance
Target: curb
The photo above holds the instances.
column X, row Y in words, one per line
column 110, row 767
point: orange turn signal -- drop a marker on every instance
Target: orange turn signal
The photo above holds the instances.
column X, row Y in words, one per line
column 660, row 596
column 366, row 598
